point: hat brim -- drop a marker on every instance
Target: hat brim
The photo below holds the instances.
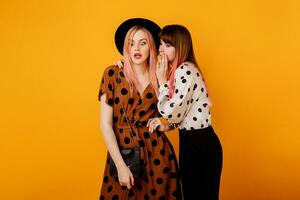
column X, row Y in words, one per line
column 122, row 30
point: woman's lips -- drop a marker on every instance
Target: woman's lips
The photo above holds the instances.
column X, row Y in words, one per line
column 137, row 55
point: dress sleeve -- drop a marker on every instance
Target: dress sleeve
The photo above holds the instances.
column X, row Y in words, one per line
column 175, row 108
column 107, row 85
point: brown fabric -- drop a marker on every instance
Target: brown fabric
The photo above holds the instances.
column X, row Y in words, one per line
column 162, row 179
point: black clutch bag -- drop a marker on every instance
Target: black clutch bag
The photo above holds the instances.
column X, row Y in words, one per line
column 131, row 157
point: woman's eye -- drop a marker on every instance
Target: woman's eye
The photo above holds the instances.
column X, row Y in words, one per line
column 143, row 43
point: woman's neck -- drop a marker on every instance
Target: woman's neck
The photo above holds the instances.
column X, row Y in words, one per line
column 140, row 69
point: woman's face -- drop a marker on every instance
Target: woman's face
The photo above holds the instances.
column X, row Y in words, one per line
column 168, row 50
column 139, row 48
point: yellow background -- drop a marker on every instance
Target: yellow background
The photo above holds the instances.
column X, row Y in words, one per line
column 53, row 53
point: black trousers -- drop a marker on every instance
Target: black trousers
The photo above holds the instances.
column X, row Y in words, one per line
column 200, row 161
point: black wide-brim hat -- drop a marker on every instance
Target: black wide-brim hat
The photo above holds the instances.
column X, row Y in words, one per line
column 122, row 30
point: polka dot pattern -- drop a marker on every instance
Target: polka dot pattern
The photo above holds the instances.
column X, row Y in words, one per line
column 157, row 152
column 189, row 106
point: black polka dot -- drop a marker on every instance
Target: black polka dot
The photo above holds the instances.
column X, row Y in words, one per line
column 158, row 133
column 188, row 102
column 126, row 140
column 173, row 175
column 117, row 100
column 202, row 89
column 162, row 152
column 183, row 81
column 169, row 116
column 110, row 87
column 144, row 123
column 207, row 95
column 142, row 113
column 121, row 111
column 178, row 115
column 188, row 72
column 111, row 72
column 154, row 143
column 192, row 100
column 159, row 180
column 149, row 154
column 153, row 192
column 182, row 77
column 115, row 119
column 180, row 104
column 105, row 179
column 181, row 96
column 149, row 95
column 162, row 198
column 141, row 143
column 175, row 193
column 195, row 118
column 176, row 91
column 198, row 74
column 171, row 157
column 123, row 187
column 181, row 67
column 207, row 120
column 122, row 74
column 139, row 186
column 167, row 187
column 151, row 173
column 156, row 161
column 166, row 170
column 115, row 197
column 204, row 105
column 109, row 189
column 172, row 105
column 153, row 106
column 202, row 125
column 124, row 91
column 146, row 135
column 131, row 101
column 110, row 101
column 139, row 102
column 199, row 110
column 130, row 193
column 146, row 197
column 195, row 86
column 118, row 80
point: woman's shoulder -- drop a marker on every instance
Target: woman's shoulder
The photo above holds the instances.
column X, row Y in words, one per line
column 186, row 68
column 113, row 72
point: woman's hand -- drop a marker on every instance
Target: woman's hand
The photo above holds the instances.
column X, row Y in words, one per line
column 125, row 177
column 120, row 63
column 162, row 69
column 154, row 123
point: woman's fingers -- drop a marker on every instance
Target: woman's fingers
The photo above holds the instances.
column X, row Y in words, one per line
column 132, row 180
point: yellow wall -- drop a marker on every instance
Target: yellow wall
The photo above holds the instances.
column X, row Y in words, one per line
column 52, row 55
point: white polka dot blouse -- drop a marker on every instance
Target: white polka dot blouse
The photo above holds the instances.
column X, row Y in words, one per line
column 189, row 106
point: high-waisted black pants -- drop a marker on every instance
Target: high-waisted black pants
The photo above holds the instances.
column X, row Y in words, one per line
column 200, row 160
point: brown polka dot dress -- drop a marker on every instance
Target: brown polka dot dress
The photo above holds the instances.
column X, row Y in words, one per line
column 161, row 181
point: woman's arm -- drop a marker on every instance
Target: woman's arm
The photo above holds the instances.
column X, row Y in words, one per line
column 106, row 115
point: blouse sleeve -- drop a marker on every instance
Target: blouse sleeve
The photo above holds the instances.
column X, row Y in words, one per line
column 175, row 108
column 107, row 86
